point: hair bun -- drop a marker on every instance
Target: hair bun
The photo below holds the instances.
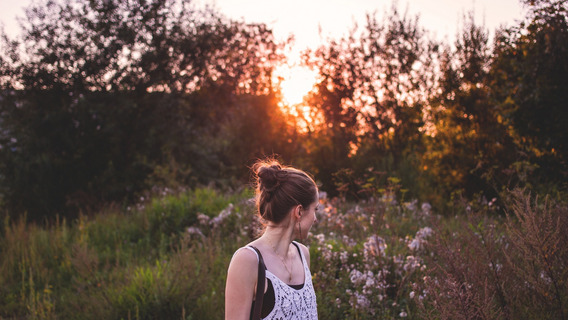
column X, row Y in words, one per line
column 279, row 188
column 269, row 177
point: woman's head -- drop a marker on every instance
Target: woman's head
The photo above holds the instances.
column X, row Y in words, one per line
column 280, row 188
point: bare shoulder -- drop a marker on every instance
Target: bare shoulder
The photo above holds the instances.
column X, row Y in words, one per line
column 241, row 284
column 305, row 251
column 242, row 273
column 244, row 259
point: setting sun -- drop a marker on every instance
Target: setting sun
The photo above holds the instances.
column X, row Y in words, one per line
column 295, row 83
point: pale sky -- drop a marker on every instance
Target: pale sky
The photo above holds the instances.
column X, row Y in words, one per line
column 336, row 17
column 303, row 18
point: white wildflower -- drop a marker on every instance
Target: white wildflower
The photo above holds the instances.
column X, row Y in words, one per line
column 344, row 256
column 356, row 277
column 424, row 232
column 426, row 208
column 411, row 206
column 420, row 239
column 374, row 247
column 412, row 263
column 222, row 216
column 349, row 241
column 497, row 266
column 320, row 238
column 361, row 301
column 414, row 245
column 545, row 277
column 203, row 219
column 195, row 230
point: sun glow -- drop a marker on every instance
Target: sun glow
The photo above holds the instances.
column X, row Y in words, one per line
column 295, row 83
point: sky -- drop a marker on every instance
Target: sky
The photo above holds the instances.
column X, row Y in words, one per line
column 312, row 22
column 304, row 18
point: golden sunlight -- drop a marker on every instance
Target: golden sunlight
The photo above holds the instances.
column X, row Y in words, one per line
column 295, row 82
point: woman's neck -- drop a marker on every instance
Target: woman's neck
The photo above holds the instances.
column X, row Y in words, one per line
column 279, row 239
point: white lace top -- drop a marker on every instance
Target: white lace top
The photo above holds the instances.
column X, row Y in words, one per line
column 290, row 303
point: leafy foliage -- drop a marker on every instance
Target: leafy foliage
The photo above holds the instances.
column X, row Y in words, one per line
column 529, row 74
column 101, row 101
column 371, row 94
column 468, row 145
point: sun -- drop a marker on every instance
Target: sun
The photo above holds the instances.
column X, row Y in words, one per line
column 295, row 82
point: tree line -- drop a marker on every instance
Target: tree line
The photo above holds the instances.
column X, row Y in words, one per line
column 102, row 100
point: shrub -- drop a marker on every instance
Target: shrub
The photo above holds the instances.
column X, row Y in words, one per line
column 373, row 259
column 491, row 268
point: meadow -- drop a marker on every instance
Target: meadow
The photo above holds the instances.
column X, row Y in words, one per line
column 378, row 258
column 105, row 103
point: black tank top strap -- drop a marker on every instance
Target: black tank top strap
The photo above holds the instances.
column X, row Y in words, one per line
column 257, row 305
column 299, row 251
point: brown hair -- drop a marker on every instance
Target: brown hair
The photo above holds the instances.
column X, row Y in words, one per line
column 280, row 188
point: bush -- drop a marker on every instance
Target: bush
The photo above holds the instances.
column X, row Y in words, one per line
column 491, row 268
column 374, row 259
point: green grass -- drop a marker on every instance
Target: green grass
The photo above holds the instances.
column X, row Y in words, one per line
column 167, row 257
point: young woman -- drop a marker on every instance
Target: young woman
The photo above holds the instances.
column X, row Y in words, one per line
column 287, row 200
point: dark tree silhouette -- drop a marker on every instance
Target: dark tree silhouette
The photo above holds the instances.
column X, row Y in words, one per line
column 98, row 95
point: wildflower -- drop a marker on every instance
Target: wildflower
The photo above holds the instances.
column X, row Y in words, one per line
column 348, row 241
column 356, row 277
column 398, row 259
column 344, row 256
column 203, row 219
column 320, row 238
column 389, row 197
column 361, row 301
column 330, row 210
column 222, row 216
column 426, row 208
column 374, row 247
column 420, row 239
column 545, row 277
column 403, row 314
column 326, row 252
column 424, row 232
column 411, row 206
column 414, row 245
column 195, row 230
column 412, row 263
column 412, row 294
column 496, row 266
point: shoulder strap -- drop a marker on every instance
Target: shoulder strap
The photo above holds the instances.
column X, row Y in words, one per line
column 299, row 251
column 259, row 286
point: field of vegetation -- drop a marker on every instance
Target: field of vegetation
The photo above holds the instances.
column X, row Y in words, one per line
column 445, row 163
column 381, row 258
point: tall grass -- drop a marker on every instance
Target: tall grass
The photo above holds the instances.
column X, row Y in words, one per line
column 491, row 267
column 141, row 263
column 375, row 259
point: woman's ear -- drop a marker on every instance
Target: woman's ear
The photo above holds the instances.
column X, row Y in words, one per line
column 298, row 211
